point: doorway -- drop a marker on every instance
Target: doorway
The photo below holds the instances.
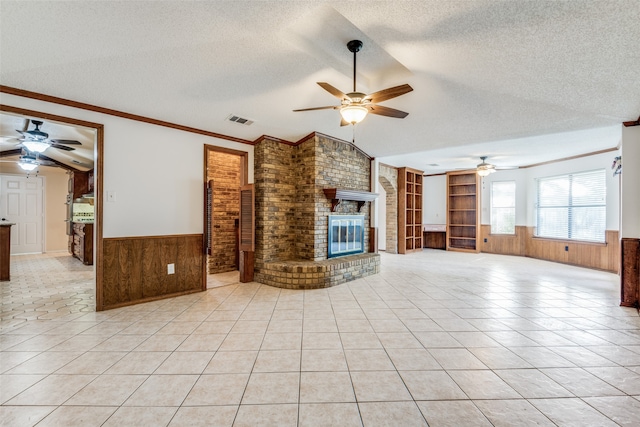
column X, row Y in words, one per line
column 225, row 173
column 59, row 161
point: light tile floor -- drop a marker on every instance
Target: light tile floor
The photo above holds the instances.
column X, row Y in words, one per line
column 437, row 338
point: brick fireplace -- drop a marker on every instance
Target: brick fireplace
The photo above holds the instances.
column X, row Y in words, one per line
column 292, row 212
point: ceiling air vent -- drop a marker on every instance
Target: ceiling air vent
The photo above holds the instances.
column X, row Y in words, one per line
column 239, row 120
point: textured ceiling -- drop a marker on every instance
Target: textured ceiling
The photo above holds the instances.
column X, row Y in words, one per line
column 518, row 81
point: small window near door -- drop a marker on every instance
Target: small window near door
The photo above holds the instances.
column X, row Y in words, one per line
column 503, row 207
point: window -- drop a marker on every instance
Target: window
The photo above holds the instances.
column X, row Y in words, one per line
column 503, row 207
column 572, row 206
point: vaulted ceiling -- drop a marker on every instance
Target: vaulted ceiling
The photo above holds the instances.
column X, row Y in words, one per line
column 519, row 81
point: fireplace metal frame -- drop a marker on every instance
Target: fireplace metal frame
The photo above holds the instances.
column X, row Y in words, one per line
column 351, row 237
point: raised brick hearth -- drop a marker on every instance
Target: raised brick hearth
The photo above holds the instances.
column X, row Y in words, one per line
column 319, row 274
column 292, row 212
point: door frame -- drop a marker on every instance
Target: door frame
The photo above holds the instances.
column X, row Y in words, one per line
column 98, row 167
column 244, row 178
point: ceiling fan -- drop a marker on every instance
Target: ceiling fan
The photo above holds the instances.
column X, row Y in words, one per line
column 484, row 169
column 354, row 106
column 30, row 161
column 37, row 141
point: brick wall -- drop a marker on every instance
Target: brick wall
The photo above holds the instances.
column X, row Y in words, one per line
column 224, row 170
column 291, row 208
column 275, row 202
column 338, row 165
column 388, row 178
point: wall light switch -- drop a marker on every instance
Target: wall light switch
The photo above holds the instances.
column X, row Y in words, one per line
column 171, row 268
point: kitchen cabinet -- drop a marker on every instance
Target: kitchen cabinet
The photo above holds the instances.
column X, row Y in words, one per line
column 83, row 242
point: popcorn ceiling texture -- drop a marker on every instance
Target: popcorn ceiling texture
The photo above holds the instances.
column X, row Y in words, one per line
column 292, row 212
column 483, row 71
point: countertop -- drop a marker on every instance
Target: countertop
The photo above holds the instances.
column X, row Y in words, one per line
column 434, row 227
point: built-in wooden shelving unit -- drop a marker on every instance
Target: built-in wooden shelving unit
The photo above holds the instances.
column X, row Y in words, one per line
column 463, row 214
column 409, row 210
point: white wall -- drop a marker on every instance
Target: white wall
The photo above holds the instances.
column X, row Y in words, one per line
column 526, row 189
column 434, row 199
column 155, row 172
column 630, row 210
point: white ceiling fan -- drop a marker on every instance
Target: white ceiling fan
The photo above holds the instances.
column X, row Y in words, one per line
column 485, row 169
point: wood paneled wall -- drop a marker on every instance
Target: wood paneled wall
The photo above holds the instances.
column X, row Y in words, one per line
column 630, row 272
column 603, row 256
column 135, row 268
column 504, row 244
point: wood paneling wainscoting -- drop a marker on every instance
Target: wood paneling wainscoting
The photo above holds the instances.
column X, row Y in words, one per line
column 603, row 256
column 503, row 244
column 630, row 272
column 135, row 268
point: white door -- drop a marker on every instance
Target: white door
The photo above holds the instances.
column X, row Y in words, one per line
column 21, row 201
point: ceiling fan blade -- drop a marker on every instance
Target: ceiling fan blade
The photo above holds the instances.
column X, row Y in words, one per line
column 65, row 141
column 392, row 92
column 318, row 108
column 332, row 90
column 62, row 147
column 386, row 111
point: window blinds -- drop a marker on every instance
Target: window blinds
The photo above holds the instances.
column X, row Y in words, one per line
column 572, row 206
column 503, row 207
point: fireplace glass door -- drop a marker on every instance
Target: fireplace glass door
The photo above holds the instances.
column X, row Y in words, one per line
column 346, row 235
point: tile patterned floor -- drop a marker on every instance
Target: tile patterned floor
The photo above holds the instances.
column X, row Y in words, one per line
column 45, row 287
column 437, row 338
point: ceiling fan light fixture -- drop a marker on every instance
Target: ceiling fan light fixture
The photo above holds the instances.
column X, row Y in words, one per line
column 27, row 166
column 36, row 146
column 485, row 172
column 353, row 113
column 484, row 168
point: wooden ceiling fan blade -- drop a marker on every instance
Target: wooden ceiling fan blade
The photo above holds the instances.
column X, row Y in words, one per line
column 65, row 141
column 332, row 90
column 392, row 92
column 62, row 147
column 318, row 108
column 386, row 111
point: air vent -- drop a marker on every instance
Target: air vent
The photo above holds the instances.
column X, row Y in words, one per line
column 239, row 120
